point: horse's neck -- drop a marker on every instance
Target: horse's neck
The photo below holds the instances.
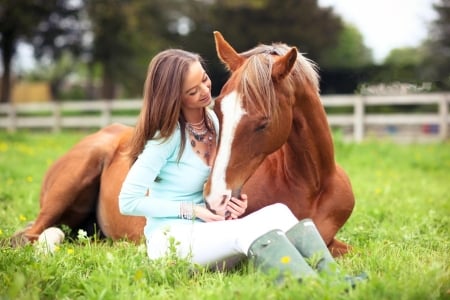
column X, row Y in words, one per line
column 310, row 144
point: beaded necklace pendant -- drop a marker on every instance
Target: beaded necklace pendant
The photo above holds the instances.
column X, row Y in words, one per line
column 201, row 134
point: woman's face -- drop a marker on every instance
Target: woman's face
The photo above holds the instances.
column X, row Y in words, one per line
column 196, row 91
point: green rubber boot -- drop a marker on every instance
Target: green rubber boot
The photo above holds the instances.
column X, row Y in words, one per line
column 307, row 239
column 274, row 252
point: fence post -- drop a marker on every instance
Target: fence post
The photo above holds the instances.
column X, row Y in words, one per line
column 56, row 116
column 358, row 125
column 106, row 113
column 443, row 117
column 12, row 117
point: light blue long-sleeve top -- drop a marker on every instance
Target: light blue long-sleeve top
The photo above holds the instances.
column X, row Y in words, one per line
column 178, row 181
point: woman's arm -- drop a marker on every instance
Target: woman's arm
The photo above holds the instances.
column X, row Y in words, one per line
column 135, row 198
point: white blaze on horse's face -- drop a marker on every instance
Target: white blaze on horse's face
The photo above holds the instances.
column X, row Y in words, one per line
column 232, row 112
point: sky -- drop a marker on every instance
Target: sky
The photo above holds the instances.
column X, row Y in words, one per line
column 387, row 24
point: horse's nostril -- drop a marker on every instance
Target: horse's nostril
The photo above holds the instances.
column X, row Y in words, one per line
column 224, row 200
column 210, row 209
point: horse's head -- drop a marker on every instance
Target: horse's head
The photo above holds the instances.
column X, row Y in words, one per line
column 255, row 113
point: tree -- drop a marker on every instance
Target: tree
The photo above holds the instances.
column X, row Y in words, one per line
column 125, row 36
column 54, row 72
column 437, row 61
column 350, row 51
column 300, row 23
column 404, row 56
column 401, row 65
column 50, row 26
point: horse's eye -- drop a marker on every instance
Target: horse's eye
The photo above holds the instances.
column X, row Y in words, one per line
column 262, row 125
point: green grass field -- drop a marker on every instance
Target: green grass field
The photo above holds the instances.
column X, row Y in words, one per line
column 399, row 229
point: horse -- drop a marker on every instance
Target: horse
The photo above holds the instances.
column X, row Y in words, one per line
column 275, row 145
column 275, row 142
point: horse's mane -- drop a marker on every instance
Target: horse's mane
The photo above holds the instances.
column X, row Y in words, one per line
column 256, row 82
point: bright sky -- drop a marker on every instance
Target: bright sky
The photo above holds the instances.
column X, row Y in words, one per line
column 387, row 24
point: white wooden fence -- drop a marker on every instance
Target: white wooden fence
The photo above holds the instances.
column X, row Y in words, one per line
column 356, row 125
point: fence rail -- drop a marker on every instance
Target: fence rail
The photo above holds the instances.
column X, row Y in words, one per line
column 358, row 123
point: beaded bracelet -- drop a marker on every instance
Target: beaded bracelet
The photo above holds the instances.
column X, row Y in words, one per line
column 186, row 210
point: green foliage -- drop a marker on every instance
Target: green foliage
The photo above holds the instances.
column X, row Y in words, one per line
column 405, row 56
column 126, row 35
column 399, row 230
column 312, row 29
column 436, row 65
column 116, row 40
column 51, row 26
column 286, row 21
column 350, row 51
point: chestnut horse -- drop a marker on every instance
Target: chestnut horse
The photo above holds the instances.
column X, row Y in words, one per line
column 275, row 145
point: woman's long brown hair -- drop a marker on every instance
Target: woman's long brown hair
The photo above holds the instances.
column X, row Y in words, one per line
column 161, row 108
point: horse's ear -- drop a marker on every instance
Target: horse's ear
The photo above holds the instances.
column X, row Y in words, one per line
column 283, row 65
column 226, row 53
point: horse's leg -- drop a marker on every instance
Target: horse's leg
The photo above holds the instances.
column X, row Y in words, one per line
column 70, row 188
column 338, row 248
column 333, row 210
column 68, row 194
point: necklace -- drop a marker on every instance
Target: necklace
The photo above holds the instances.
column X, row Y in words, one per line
column 201, row 123
column 201, row 134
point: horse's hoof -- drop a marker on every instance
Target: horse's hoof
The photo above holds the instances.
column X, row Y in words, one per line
column 20, row 238
column 49, row 239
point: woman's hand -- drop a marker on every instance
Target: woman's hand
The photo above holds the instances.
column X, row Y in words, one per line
column 236, row 207
column 206, row 215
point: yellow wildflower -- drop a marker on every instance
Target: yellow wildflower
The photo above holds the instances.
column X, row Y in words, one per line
column 285, row 259
column 3, row 147
column 70, row 251
column 22, row 218
column 138, row 275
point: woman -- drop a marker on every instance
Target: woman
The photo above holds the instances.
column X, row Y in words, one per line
column 173, row 148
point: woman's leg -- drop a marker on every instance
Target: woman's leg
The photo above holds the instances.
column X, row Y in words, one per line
column 306, row 238
column 221, row 242
column 208, row 244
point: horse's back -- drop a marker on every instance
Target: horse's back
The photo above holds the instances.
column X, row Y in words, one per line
column 83, row 163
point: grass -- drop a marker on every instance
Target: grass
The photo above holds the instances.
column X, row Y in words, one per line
column 399, row 230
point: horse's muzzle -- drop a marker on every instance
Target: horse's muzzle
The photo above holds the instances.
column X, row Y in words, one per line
column 223, row 203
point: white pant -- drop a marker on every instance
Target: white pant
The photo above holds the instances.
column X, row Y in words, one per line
column 221, row 243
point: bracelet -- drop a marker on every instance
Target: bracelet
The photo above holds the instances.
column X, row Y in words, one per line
column 186, row 210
